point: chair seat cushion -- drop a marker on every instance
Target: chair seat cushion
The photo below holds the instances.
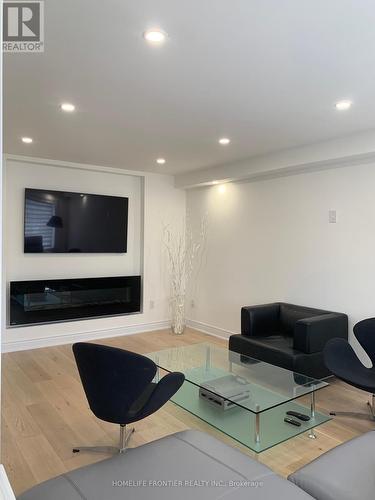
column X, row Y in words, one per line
column 358, row 375
column 137, row 406
column 189, row 465
column 275, row 349
column 343, row 362
column 280, row 352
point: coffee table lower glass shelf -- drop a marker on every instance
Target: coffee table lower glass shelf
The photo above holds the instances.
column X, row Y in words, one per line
column 242, row 397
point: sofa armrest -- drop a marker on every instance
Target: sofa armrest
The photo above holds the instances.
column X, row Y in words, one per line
column 312, row 334
column 260, row 320
column 343, row 473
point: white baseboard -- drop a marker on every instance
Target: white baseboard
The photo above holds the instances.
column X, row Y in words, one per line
column 22, row 345
column 209, row 329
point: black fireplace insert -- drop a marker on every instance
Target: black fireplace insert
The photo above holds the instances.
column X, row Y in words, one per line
column 47, row 301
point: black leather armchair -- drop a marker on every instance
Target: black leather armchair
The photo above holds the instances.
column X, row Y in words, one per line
column 289, row 336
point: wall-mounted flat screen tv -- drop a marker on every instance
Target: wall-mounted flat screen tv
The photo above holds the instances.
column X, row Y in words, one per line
column 64, row 222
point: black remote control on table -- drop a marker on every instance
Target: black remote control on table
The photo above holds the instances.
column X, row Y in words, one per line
column 292, row 421
column 300, row 416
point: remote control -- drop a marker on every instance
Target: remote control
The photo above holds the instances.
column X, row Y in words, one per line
column 293, row 422
column 300, row 416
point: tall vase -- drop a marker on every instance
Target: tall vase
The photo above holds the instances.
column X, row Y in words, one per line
column 178, row 314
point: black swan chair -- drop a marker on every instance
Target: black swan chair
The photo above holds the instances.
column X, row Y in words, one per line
column 119, row 388
column 341, row 359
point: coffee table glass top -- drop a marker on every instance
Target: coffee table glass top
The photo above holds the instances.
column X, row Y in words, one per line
column 242, row 397
column 235, row 379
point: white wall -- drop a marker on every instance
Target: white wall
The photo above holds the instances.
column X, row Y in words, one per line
column 152, row 198
column 270, row 240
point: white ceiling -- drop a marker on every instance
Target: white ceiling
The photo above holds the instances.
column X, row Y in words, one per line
column 265, row 73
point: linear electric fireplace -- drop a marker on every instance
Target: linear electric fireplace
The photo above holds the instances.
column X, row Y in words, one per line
column 46, row 301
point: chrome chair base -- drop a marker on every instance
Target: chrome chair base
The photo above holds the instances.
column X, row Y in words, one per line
column 363, row 416
column 125, row 435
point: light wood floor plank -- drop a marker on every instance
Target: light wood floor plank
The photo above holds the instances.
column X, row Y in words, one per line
column 45, row 414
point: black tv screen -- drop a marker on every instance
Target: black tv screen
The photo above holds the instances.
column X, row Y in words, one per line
column 63, row 222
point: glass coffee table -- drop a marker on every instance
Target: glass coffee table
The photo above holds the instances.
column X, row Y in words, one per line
column 245, row 398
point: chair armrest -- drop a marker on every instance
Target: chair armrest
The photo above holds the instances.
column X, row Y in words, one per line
column 312, row 334
column 162, row 393
column 260, row 320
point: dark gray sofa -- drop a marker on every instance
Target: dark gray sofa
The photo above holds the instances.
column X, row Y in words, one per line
column 193, row 465
column 206, row 464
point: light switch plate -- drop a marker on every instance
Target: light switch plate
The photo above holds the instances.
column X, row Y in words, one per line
column 332, row 216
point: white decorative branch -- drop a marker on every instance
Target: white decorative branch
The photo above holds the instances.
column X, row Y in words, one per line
column 183, row 251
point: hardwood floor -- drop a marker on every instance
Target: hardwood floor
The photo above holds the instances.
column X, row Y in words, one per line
column 45, row 414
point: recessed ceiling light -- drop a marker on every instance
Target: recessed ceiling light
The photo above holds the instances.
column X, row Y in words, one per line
column 224, row 141
column 155, row 36
column 160, row 161
column 27, row 140
column 68, row 107
column 343, row 105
